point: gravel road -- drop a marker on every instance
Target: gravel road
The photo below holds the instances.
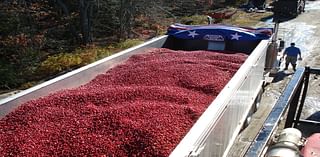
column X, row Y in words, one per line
column 304, row 31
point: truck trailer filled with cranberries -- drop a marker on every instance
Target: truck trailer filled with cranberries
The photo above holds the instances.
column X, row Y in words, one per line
column 187, row 93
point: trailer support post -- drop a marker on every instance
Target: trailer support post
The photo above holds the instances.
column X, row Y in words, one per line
column 304, row 94
column 293, row 107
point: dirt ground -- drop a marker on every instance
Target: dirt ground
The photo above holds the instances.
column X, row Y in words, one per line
column 304, row 31
column 312, row 55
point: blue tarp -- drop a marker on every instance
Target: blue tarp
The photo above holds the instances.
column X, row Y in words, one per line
column 218, row 32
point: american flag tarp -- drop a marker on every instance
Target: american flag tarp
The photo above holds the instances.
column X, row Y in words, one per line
column 218, row 32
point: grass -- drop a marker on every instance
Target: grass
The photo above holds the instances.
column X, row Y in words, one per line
column 242, row 18
column 194, row 20
column 128, row 43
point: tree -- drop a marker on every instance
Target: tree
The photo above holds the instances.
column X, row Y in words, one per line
column 127, row 11
column 67, row 15
column 86, row 11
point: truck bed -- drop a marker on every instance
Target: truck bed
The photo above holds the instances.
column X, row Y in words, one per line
column 209, row 136
column 144, row 106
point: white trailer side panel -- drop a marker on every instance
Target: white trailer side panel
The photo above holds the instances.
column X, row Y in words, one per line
column 216, row 129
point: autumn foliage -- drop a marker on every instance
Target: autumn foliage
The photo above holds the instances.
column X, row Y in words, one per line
column 38, row 34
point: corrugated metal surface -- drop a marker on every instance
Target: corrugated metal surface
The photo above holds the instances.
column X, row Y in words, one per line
column 217, row 128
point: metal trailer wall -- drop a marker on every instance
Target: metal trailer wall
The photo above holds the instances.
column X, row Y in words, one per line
column 215, row 131
column 217, row 128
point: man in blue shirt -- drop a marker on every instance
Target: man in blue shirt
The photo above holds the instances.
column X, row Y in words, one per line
column 291, row 54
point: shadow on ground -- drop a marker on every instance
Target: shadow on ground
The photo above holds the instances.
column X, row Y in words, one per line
column 281, row 75
column 267, row 18
column 282, row 18
column 315, row 116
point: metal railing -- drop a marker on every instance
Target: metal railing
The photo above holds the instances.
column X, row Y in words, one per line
column 292, row 100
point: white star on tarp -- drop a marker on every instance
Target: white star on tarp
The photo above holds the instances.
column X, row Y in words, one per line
column 192, row 33
column 235, row 36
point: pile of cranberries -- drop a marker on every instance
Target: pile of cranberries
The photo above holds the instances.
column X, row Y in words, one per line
column 143, row 107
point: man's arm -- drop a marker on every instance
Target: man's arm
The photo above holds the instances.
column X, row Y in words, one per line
column 284, row 52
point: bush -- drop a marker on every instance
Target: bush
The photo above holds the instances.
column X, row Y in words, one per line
column 9, row 24
column 128, row 43
column 10, row 77
column 58, row 63
column 103, row 52
column 67, row 61
column 194, row 20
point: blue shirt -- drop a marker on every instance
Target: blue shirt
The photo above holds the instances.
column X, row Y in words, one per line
column 292, row 51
